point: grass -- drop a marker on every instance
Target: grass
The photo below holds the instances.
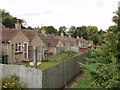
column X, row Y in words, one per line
column 86, row 83
column 53, row 60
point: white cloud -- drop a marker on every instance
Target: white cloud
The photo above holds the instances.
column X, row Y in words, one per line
column 62, row 12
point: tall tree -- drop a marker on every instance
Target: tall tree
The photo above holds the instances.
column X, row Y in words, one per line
column 101, row 37
column 8, row 20
column 62, row 29
column 49, row 30
column 103, row 68
column 80, row 31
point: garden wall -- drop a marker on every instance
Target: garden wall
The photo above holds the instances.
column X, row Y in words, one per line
column 55, row 76
column 31, row 76
column 52, row 77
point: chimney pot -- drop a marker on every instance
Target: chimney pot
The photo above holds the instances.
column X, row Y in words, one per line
column 43, row 31
column 62, row 34
column 78, row 37
column 18, row 24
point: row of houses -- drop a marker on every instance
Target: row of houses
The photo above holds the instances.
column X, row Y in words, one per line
column 27, row 45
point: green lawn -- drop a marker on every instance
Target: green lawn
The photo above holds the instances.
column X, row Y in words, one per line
column 52, row 60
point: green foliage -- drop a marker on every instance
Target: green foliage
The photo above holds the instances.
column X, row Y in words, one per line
column 88, row 33
column 81, row 32
column 8, row 20
column 87, row 84
column 49, row 30
column 12, row 82
column 103, row 68
column 53, row 60
column 63, row 30
column 69, row 52
column 72, row 30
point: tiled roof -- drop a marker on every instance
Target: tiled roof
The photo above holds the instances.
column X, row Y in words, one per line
column 80, row 40
column 72, row 41
column 30, row 34
column 49, row 40
column 64, row 40
column 8, row 34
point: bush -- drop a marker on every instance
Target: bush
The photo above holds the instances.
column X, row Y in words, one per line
column 12, row 82
column 68, row 52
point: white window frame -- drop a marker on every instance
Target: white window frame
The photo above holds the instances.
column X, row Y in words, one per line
column 27, row 49
column 18, row 48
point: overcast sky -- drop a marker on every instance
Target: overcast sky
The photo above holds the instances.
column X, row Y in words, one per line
column 62, row 12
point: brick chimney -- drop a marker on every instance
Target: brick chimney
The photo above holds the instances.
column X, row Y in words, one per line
column 81, row 37
column 43, row 31
column 69, row 35
column 62, row 34
column 78, row 37
column 18, row 25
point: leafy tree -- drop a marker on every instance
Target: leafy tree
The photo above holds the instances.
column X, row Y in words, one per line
column 103, row 67
column 8, row 20
column 101, row 37
column 29, row 27
column 62, row 29
column 112, row 28
column 80, row 31
column 72, row 30
column 49, row 30
column 116, row 19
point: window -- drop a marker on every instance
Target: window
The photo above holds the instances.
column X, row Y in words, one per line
column 18, row 47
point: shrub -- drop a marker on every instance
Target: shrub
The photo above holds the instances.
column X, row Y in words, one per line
column 12, row 82
column 68, row 52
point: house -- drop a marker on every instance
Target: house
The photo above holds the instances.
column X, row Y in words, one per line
column 35, row 45
column 89, row 43
column 64, row 39
column 52, row 44
column 14, row 44
column 83, row 47
column 74, row 46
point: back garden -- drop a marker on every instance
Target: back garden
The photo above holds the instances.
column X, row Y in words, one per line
column 52, row 60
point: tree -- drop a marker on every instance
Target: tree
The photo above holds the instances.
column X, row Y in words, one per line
column 8, row 20
column 101, row 37
column 62, row 29
column 49, row 30
column 112, row 28
column 116, row 19
column 72, row 29
column 103, row 67
column 80, row 31
column 29, row 27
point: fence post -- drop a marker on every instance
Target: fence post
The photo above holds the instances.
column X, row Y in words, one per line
column 35, row 57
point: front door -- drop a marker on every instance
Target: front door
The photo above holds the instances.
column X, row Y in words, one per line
column 25, row 52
